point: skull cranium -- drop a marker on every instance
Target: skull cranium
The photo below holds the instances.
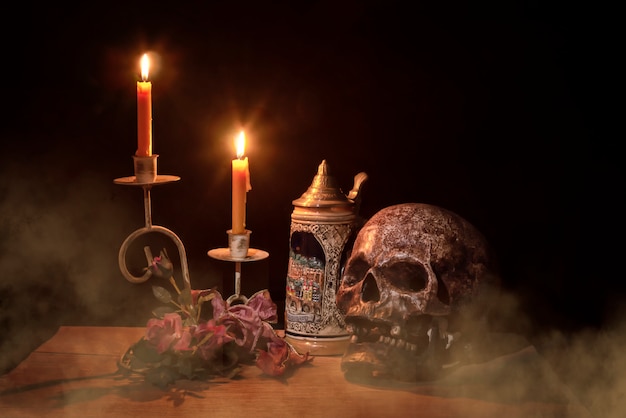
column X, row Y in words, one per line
column 417, row 286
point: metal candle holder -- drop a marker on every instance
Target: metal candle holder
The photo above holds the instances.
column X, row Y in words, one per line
column 238, row 252
column 146, row 177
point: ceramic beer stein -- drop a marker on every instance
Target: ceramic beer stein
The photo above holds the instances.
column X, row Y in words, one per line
column 324, row 223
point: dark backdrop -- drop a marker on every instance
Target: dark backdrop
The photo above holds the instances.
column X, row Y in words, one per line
column 498, row 112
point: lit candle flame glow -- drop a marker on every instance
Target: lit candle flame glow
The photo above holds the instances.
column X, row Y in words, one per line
column 240, row 144
column 145, row 67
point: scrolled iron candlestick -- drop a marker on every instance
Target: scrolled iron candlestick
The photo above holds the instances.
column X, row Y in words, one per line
column 148, row 273
column 146, row 177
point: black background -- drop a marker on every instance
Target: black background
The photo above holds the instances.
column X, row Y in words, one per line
column 502, row 113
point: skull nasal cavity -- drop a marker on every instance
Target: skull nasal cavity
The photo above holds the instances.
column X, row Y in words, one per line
column 369, row 291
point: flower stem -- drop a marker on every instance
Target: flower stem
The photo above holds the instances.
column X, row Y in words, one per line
column 174, row 284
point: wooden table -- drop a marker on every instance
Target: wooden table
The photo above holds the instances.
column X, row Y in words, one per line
column 74, row 375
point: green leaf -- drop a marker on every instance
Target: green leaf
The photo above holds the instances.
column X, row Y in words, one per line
column 185, row 299
column 162, row 294
column 168, row 360
column 162, row 310
column 144, row 351
column 162, row 376
column 185, row 367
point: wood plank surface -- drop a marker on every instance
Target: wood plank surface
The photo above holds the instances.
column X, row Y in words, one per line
column 74, row 374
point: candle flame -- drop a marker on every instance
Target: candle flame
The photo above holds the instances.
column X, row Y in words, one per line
column 145, row 66
column 240, row 144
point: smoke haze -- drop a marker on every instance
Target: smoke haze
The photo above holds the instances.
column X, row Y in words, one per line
column 61, row 226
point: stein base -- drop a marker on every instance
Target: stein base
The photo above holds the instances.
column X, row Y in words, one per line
column 318, row 346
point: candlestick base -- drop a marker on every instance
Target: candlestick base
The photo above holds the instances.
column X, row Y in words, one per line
column 239, row 244
column 145, row 168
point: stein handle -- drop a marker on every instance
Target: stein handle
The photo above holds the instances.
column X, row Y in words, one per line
column 355, row 193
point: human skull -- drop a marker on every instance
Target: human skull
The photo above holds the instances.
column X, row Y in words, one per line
column 415, row 293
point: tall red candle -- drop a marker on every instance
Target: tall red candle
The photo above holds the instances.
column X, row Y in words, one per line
column 144, row 111
column 241, row 185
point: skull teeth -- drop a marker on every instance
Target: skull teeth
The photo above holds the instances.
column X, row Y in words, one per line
column 393, row 342
column 357, row 331
column 360, row 334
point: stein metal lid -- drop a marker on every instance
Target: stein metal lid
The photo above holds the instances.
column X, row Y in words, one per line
column 323, row 191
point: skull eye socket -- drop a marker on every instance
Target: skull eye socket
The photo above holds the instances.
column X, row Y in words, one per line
column 406, row 276
column 355, row 271
column 369, row 291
